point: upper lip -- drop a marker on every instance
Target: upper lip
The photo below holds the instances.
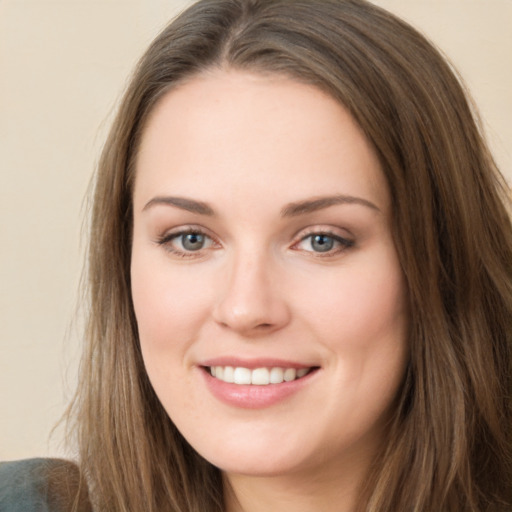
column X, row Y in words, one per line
column 253, row 363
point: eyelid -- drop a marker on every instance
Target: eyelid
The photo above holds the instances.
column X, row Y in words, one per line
column 329, row 231
column 165, row 239
column 323, row 229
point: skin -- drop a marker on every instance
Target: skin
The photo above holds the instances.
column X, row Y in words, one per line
column 250, row 145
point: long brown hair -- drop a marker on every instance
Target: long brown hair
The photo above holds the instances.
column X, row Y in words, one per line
column 449, row 446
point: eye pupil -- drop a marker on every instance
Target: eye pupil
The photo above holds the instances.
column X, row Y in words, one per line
column 192, row 241
column 322, row 243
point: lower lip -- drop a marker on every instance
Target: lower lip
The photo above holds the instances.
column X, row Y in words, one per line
column 254, row 396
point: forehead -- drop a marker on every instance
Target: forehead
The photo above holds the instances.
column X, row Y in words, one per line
column 239, row 130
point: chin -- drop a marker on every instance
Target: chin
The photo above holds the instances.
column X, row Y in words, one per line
column 258, row 467
column 257, row 460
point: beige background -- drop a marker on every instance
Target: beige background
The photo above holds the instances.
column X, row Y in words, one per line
column 63, row 65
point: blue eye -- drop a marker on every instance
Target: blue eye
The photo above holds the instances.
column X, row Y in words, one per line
column 192, row 241
column 186, row 243
column 324, row 243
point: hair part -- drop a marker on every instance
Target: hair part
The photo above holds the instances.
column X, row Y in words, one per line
column 449, row 445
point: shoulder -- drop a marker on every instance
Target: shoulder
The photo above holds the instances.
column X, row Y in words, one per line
column 41, row 485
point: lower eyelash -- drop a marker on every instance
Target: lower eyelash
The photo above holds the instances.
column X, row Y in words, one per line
column 344, row 245
column 165, row 240
column 344, row 242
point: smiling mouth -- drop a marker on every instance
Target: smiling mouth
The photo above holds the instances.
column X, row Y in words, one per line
column 257, row 376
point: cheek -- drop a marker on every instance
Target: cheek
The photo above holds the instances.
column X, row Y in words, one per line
column 362, row 323
column 168, row 304
column 359, row 304
column 169, row 310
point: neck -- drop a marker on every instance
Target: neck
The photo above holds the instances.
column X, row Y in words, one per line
column 311, row 492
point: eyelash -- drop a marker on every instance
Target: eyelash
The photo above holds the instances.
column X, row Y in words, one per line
column 343, row 243
column 167, row 239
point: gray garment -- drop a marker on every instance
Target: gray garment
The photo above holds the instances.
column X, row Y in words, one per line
column 41, row 485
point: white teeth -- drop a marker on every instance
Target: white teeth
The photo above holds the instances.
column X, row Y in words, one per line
column 258, row 376
column 229, row 374
column 276, row 376
column 302, row 372
column 290, row 374
column 242, row 376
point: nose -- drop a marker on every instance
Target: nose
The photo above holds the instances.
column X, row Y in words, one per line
column 251, row 301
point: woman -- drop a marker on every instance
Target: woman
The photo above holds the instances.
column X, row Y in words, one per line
column 300, row 274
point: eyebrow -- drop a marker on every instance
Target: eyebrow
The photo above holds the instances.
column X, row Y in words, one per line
column 319, row 203
column 290, row 210
column 183, row 203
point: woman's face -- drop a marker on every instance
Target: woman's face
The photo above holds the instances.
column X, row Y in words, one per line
column 269, row 298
